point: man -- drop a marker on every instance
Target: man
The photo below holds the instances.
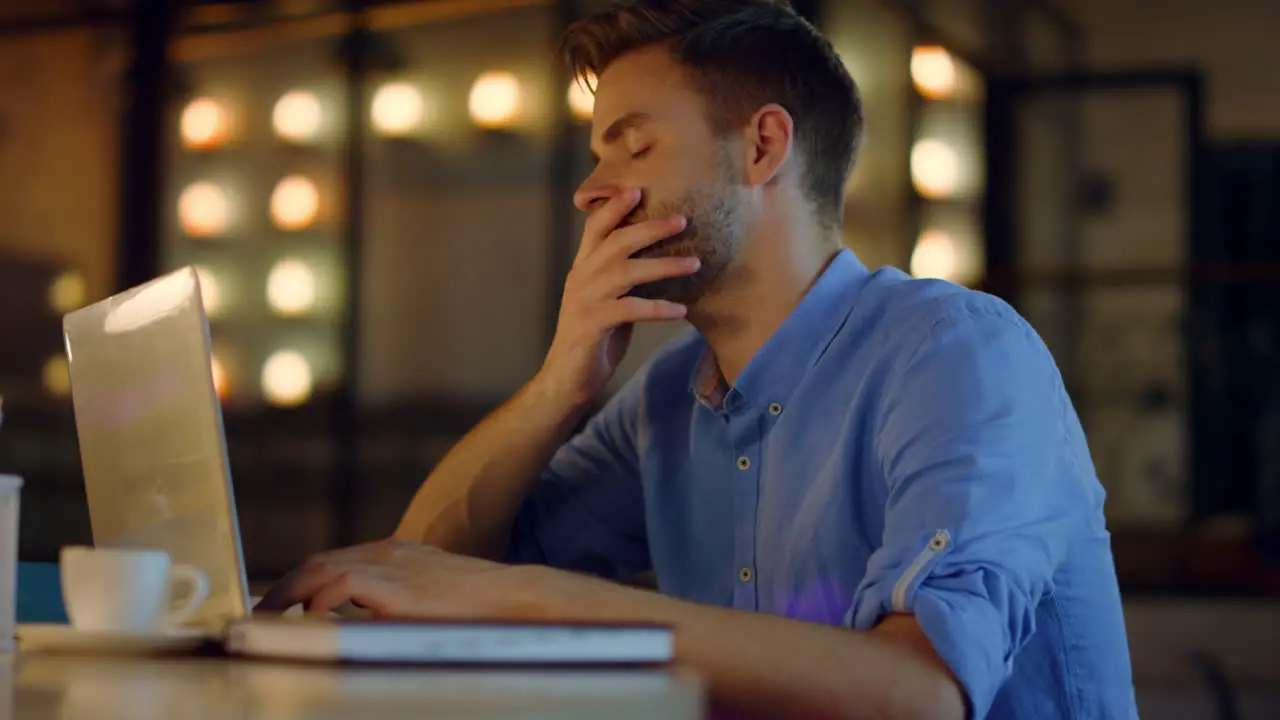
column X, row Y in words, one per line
column 861, row 495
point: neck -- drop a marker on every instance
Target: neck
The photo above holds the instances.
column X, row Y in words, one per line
column 759, row 292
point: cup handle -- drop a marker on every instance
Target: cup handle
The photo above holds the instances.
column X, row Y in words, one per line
column 199, row 582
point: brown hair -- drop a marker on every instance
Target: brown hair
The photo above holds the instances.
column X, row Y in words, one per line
column 742, row 55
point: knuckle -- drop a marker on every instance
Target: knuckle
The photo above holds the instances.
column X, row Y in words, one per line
column 319, row 563
column 634, row 305
column 385, row 551
column 590, row 321
column 602, row 320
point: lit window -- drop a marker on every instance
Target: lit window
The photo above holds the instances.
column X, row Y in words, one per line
column 297, row 116
column 203, row 210
column 398, row 109
column 203, row 124
column 933, row 72
column 294, row 203
column 286, row 379
column 495, row 100
column 582, row 101
column 67, row 292
column 935, row 169
column 291, row 288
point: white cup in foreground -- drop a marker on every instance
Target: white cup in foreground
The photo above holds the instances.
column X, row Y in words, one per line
column 125, row 590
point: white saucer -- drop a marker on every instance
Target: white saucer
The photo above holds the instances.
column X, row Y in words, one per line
column 53, row 638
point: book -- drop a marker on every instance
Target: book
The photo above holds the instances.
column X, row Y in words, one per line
column 450, row 642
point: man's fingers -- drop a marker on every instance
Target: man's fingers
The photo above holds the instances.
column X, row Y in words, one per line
column 627, row 274
column 606, row 219
column 633, row 310
column 337, row 591
column 634, row 238
column 298, row 586
column 621, row 244
column 639, row 272
column 357, row 588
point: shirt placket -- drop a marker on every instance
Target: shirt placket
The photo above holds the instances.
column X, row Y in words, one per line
column 744, row 435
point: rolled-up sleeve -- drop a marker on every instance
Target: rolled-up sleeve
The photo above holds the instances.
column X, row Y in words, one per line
column 982, row 498
column 586, row 511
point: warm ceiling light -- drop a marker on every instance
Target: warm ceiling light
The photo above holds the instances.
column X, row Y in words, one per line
column 291, row 288
column 398, row 109
column 220, row 383
column 203, row 124
column 286, row 379
column 297, row 116
column 934, row 256
column 933, row 71
column 294, row 203
column 57, row 376
column 935, row 169
column 210, row 291
column 203, row 210
column 66, row 292
column 582, row 100
column 495, row 100
column 941, row 255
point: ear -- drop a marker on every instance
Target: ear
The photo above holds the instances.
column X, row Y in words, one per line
column 769, row 137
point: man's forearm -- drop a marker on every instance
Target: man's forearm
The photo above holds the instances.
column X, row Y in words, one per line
column 468, row 503
column 776, row 667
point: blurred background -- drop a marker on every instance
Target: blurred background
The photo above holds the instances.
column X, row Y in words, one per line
column 377, row 198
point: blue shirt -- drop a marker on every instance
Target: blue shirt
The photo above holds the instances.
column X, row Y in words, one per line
column 897, row 446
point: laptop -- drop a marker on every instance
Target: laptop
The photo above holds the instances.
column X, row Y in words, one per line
column 151, row 438
column 156, row 476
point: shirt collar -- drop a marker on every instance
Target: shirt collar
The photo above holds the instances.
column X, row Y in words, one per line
column 779, row 366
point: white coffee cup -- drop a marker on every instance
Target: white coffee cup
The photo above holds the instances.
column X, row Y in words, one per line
column 127, row 590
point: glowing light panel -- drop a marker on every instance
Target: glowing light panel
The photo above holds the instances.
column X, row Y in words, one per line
column 495, row 100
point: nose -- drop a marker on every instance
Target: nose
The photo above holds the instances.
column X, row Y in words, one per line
column 591, row 196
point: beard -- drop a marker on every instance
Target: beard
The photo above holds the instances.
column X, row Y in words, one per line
column 714, row 234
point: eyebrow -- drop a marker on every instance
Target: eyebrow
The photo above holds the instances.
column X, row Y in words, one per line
column 617, row 127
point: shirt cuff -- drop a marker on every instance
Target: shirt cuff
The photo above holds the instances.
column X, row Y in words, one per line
column 952, row 603
column 968, row 633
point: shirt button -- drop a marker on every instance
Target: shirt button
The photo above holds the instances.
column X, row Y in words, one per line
column 744, row 574
column 775, row 408
column 744, row 462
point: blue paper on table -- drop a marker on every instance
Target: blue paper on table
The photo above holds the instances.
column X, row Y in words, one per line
column 39, row 594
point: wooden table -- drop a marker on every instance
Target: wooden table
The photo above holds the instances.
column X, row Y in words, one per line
column 65, row 687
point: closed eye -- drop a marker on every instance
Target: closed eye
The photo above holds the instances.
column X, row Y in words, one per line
column 641, row 152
